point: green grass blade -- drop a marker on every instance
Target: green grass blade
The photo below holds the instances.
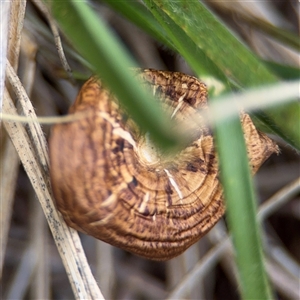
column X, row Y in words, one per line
column 284, row 122
column 283, row 71
column 139, row 15
column 215, row 40
column 282, row 99
column 243, row 67
column 101, row 49
column 219, row 45
column 197, row 59
column 241, row 210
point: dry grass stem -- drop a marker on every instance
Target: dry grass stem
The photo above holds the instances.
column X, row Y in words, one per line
column 67, row 240
column 35, row 130
column 12, row 17
column 4, row 16
column 9, row 163
column 17, row 13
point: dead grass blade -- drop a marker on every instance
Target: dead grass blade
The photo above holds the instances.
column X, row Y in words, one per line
column 67, row 240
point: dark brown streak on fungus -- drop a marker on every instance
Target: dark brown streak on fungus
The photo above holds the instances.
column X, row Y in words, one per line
column 110, row 182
